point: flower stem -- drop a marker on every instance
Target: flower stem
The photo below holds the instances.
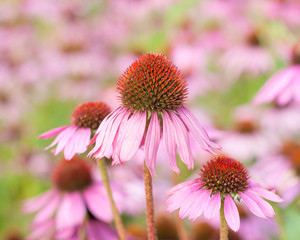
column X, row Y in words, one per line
column 282, row 234
column 223, row 223
column 116, row 214
column 149, row 204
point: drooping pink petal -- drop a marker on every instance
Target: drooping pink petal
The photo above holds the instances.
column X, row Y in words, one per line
column 185, row 209
column 231, row 213
column 200, row 204
column 60, row 136
column 98, row 203
column 78, row 143
column 180, row 186
column 265, row 207
column 48, row 210
column 95, row 229
column 266, row 194
column 196, row 130
column 35, row 203
column 71, row 211
column 132, row 137
column 170, row 141
column 40, row 230
column 111, row 132
column 213, row 206
column 252, row 205
column 53, row 132
column 182, row 141
column 152, row 143
column 65, row 138
column 99, row 135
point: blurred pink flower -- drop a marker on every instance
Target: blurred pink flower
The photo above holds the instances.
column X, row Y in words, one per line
column 75, row 138
column 221, row 179
column 282, row 88
column 76, row 196
column 152, row 92
column 245, row 59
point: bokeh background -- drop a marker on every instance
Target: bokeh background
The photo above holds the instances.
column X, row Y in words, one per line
column 55, row 55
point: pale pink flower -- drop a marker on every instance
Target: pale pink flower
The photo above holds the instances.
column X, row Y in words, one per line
column 221, row 179
column 283, row 87
column 76, row 196
column 152, row 91
column 245, row 59
column 75, row 138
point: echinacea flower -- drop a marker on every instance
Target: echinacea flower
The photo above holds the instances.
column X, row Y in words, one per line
column 75, row 138
column 221, row 179
column 283, row 87
column 152, row 91
column 76, row 196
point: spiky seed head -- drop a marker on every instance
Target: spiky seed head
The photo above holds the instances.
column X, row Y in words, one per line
column 90, row 115
column 152, row 83
column 72, row 175
column 224, row 175
column 246, row 126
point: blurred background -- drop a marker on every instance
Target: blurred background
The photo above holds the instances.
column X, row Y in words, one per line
column 55, row 55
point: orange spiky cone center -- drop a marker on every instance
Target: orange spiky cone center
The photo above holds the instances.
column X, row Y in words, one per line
column 90, row 115
column 224, row 175
column 152, row 83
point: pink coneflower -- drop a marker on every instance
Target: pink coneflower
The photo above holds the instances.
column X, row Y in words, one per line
column 222, row 181
column 284, row 86
column 152, row 91
column 248, row 58
column 74, row 197
column 75, row 138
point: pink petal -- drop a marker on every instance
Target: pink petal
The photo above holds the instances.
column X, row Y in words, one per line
column 200, row 204
column 34, row 204
column 53, row 132
column 152, row 143
column 98, row 203
column 213, row 206
column 231, row 213
column 110, row 133
column 185, row 209
column 39, row 231
column 180, row 186
column 266, row 194
column 47, row 211
column 196, row 130
column 182, row 141
column 71, row 211
column 170, row 141
column 65, row 137
column 252, row 205
column 265, row 207
column 132, row 136
column 78, row 143
column 96, row 229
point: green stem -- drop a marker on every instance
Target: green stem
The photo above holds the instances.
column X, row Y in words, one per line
column 282, row 234
column 149, row 204
column 223, row 223
column 116, row 214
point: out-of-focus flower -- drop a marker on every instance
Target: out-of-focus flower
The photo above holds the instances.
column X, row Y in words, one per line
column 249, row 58
column 221, row 180
column 76, row 196
column 75, row 138
column 280, row 170
column 284, row 86
column 247, row 140
column 152, row 91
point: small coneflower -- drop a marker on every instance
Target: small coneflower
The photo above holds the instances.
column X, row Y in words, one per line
column 283, row 87
column 76, row 196
column 152, row 91
column 75, row 138
column 222, row 182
